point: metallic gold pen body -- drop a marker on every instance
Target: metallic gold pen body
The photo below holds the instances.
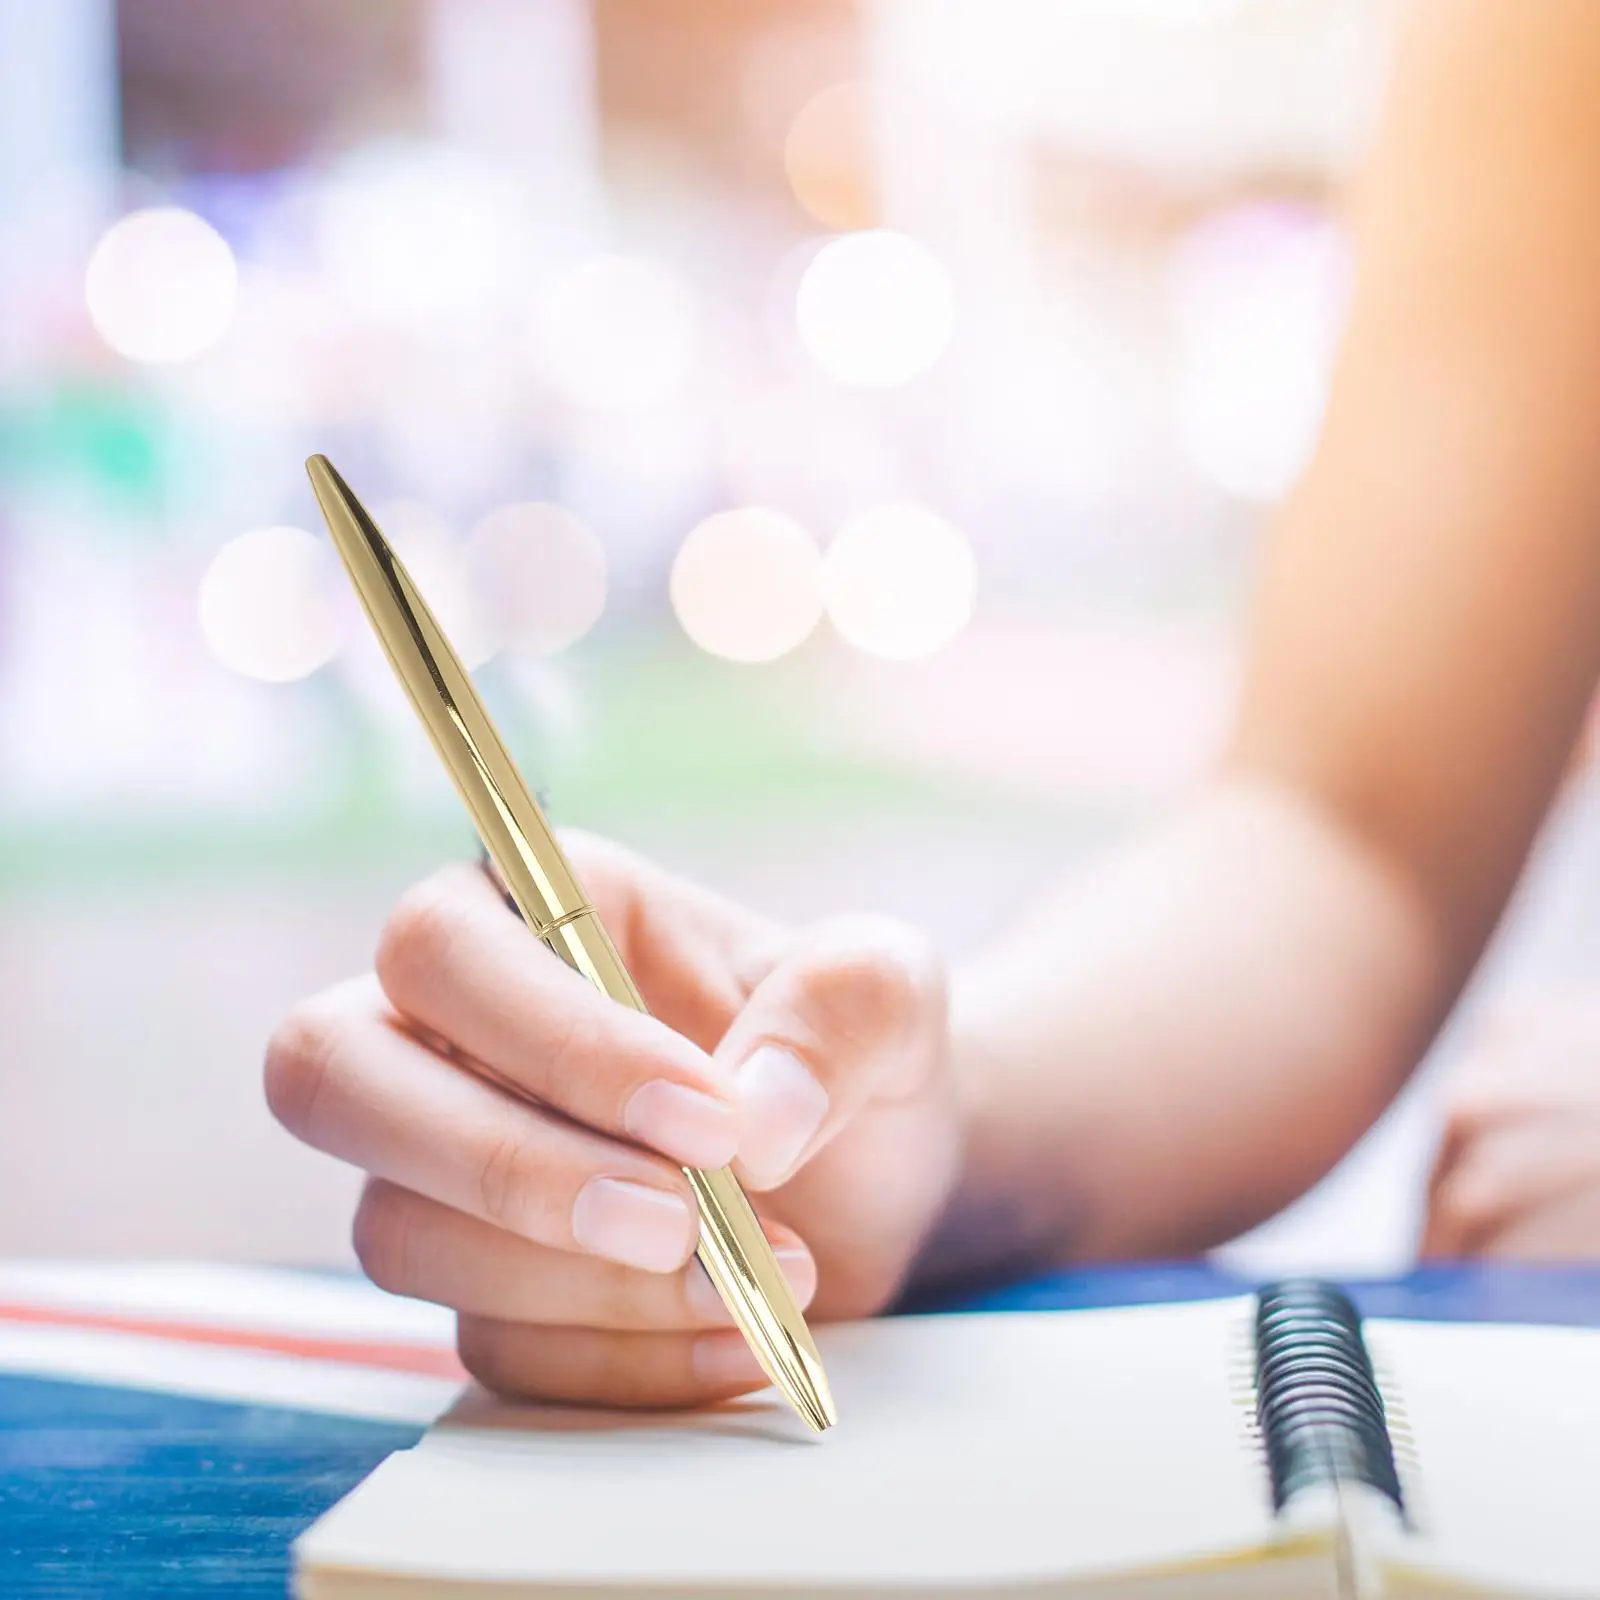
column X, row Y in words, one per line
column 732, row 1248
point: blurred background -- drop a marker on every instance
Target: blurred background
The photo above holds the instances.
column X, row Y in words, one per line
column 839, row 431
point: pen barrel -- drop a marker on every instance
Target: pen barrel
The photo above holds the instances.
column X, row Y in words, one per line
column 547, row 895
column 733, row 1247
column 580, row 939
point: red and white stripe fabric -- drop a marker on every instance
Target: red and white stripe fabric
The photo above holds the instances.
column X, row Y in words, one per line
column 252, row 1334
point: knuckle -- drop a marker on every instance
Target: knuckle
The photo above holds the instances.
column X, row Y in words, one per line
column 1444, row 1216
column 418, row 936
column 481, row 1346
column 301, row 1056
column 572, row 1044
column 873, row 980
column 503, row 1180
column 623, row 1298
column 383, row 1238
column 1471, row 1105
column 1469, row 1200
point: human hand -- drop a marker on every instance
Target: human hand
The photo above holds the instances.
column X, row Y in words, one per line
column 1518, row 1168
column 523, row 1133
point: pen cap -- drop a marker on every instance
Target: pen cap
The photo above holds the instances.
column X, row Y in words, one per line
column 504, row 813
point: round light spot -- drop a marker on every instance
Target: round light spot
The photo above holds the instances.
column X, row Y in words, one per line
column 744, row 584
column 266, row 604
column 828, row 157
column 410, row 232
column 899, row 582
column 541, row 572
column 875, row 309
column 617, row 333
column 161, row 285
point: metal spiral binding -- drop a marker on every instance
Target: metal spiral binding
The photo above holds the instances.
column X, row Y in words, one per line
column 1318, row 1403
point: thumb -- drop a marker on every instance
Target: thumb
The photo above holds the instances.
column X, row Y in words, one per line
column 838, row 1020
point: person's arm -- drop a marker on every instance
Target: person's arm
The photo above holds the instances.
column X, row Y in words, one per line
column 1178, row 1047
column 1173, row 1048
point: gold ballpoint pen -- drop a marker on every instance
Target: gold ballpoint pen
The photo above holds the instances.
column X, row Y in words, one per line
column 732, row 1248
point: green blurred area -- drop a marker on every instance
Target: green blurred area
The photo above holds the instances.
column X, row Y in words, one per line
column 109, row 437
column 671, row 741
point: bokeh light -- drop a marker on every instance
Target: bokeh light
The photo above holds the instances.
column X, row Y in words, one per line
column 899, row 581
column 828, row 157
column 411, row 233
column 1258, row 295
column 266, row 604
column 541, row 571
column 430, row 551
column 617, row 332
column 161, row 285
column 745, row 584
column 875, row 309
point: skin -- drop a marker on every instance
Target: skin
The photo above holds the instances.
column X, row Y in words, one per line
column 475, row 1183
column 1167, row 1049
column 1518, row 1167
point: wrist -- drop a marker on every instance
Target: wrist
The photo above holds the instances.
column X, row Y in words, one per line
column 982, row 1231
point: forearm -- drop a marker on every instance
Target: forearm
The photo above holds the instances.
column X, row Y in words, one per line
column 1179, row 1045
column 1176, row 1046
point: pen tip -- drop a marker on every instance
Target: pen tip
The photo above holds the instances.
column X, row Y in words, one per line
column 811, row 1396
column 827, row 1416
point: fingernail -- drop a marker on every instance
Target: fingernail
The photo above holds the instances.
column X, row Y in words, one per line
column 782, row 1106
column 707, row 1305
column 683, row 1123
column 633, row 1224
column 723, row 1360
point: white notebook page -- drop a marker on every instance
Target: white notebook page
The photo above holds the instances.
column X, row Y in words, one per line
column 971, row 1450
column 1506, row 1427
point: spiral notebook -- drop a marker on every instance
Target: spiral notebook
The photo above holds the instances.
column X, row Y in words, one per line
column 1269, row 1446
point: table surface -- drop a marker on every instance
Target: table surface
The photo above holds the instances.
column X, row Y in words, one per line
column 112, row 1491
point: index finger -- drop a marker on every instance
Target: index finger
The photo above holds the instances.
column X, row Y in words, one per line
column 452, row 962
